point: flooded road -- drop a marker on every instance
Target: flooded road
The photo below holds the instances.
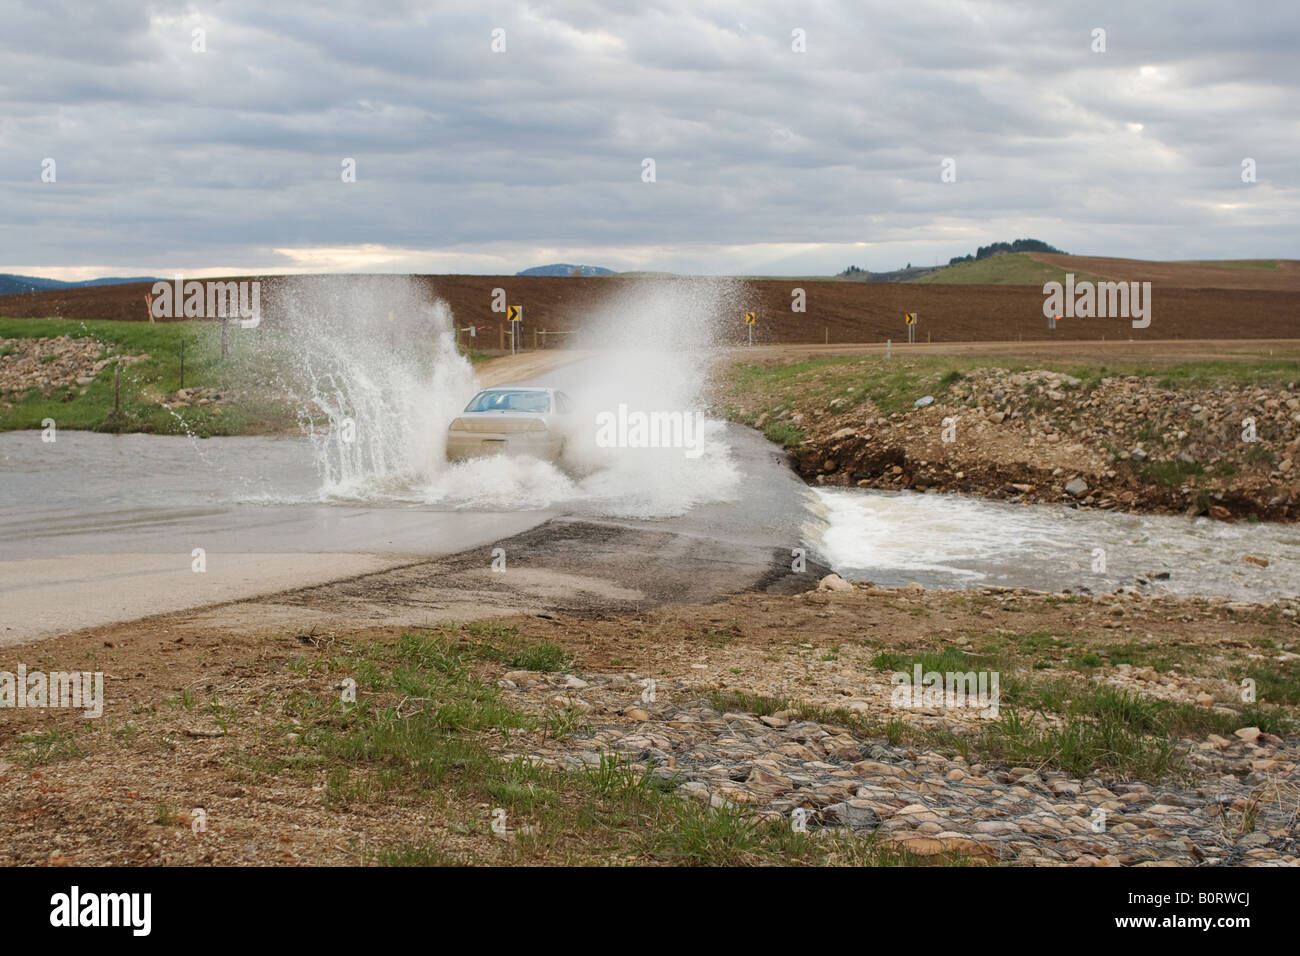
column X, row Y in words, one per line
column 953, row 541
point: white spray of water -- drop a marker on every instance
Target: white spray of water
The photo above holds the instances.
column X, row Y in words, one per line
column 393, row 386
column 379, row 378
column 653, row 345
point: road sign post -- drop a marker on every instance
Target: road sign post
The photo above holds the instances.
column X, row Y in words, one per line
column 515, row 314
column 750, row 319
column 910, row 319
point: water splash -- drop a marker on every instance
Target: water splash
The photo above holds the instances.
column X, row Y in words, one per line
column 378, row 379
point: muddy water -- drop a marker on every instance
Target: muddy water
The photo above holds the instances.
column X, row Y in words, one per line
column 953, row 541
column 89, row 493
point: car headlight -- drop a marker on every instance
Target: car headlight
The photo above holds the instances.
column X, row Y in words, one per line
column 457, row 426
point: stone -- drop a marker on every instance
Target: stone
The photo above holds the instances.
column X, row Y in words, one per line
column 833, row 582
column 854, row 814
column 1076, row 487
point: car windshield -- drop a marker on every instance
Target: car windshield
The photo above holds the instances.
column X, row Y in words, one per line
column 505, row 400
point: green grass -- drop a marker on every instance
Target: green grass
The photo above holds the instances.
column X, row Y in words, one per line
column 253, row 371
column 1169, row 473
column 48, row 747
column 1097, row 728
column 145, row 384
column 740, row 703
column 785, row 434
column 416, row 854
column 1014, row 268
column 894, row 384
column 492, row 641
column 424, row 735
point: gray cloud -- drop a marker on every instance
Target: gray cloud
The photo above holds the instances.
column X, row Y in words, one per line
column 767, row 160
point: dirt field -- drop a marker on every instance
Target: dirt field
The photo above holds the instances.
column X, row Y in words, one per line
column 1186, row 275
column 1268, row 307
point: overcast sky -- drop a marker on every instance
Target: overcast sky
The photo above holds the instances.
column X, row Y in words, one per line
column 767, row 160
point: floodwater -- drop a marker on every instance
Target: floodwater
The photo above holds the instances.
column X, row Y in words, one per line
column 955, row 541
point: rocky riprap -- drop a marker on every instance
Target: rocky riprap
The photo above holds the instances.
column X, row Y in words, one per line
column 53, row 364
column 1242, row 812
column 1120, row 443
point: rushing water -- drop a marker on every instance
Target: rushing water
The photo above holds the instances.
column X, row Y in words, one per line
column 948, row 540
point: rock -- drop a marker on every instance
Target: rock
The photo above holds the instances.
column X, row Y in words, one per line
column 1138, row 455
column 1251, row 559
column 833, row 582
column 923, row 401
column 842, row 434
column 771, row 720
column 1076, row 487
column 573, row 703
column 997, row 418
column 636, row 713
column 774, row 782
column 1220, row 513
column 1247, row 734
column 854, row 814
column 522, row 678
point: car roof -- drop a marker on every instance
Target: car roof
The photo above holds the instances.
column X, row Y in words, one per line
column 518, row 388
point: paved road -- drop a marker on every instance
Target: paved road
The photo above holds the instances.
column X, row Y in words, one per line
column 96, row 529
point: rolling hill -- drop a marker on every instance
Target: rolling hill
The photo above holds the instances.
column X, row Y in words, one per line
column 1036, row 268
column 11, row 284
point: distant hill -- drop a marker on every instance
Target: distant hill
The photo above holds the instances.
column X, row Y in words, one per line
column 1017, row 268
column 908, row 274
column 12, row 284
column 1037, row 268
column 994, row 250
column 565, row 269
column 1003, row 248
